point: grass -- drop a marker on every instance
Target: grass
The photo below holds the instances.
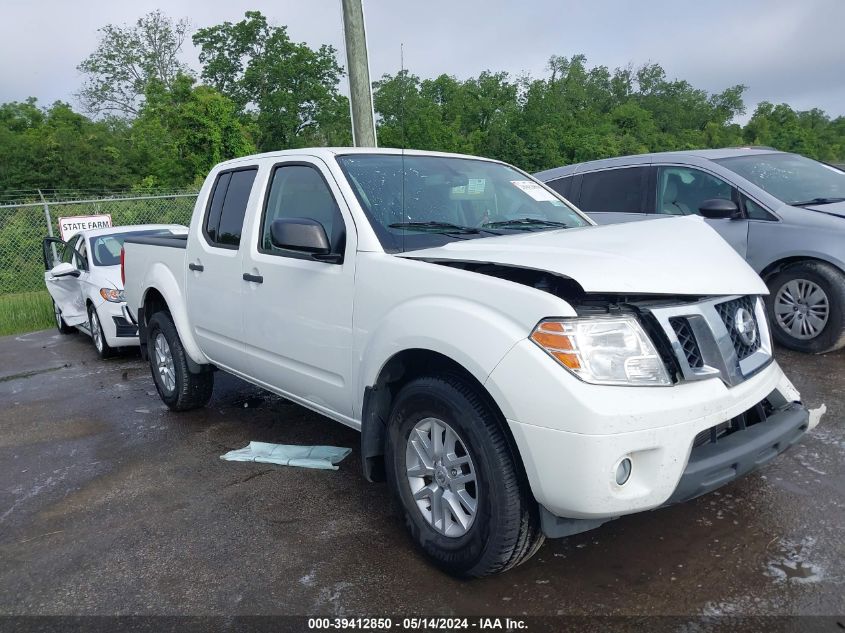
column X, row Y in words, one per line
column 25, row 312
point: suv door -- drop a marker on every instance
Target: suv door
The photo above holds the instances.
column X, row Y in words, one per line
column 681, row 190
column 297, row 306
column 610, row 196
column 213, row 283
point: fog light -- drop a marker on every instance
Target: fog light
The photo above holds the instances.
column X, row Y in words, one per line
column 623, row 471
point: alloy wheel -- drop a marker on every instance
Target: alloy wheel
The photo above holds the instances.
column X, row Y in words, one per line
column 164, row 363
column 96, row 332
column 442, row 477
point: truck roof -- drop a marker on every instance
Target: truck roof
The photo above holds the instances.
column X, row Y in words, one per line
column 331, row 152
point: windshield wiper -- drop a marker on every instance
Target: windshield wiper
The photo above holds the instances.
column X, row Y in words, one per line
column 526, row 222
column 806, row 203
column 437, row 227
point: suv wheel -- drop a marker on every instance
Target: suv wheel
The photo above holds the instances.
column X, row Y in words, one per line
column 178, row 388
column 463, row 495
column 104, row 350
column 806, row 307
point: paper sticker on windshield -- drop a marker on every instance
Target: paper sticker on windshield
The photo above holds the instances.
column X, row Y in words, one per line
column 474, row 187
column 535, row 191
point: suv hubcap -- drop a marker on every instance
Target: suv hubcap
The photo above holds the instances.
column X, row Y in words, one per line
column 442, row 477
column 164, row 363
column 801, row 309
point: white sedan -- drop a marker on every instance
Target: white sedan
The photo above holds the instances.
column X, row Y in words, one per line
column 83, row 278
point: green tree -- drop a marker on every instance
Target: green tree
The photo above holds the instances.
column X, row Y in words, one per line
column 183, row 131
column 127, row 59
column 289, row 90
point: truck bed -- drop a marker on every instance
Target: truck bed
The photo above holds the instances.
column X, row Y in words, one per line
column 145, row 257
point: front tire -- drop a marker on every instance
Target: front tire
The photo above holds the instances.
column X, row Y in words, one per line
column 455, row 474
column 806, row 307
column 63, row 327
column 178, row 388
column 104, row 350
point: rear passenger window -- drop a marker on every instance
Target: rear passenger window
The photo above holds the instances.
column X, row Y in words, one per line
column 562, row 185
column 224, row 219
column 613, row 190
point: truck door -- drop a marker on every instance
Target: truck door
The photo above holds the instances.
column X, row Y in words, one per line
column 213, row 285
column 681, row 190
column 62, row 278
column 298, row 306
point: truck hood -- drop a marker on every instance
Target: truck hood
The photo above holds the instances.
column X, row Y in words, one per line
column 662, row 256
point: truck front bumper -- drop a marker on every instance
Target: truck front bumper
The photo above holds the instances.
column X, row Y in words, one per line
column 573, row 436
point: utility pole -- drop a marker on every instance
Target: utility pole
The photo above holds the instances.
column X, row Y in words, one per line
column 360, row 89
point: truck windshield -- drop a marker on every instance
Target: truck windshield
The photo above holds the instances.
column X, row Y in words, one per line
column 418, row 202
column 791, row 178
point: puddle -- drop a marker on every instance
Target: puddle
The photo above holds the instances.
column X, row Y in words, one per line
column 791, row 562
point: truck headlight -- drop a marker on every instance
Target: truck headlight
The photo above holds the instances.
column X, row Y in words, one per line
column 110, row 294
column 603, row 350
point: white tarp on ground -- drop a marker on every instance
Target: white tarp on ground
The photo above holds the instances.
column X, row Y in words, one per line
column 322, row 457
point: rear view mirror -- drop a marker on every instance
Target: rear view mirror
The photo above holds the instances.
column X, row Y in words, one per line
column 719, row 208
column 64, row 270
column 300, row 234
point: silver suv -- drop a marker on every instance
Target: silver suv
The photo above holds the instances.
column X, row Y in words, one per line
column 783, row 212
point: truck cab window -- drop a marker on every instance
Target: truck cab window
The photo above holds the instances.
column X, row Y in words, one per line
column 225, row 215
column 299, row 191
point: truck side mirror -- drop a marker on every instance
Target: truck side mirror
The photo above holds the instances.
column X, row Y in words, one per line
column 64, row 269
column 300, row 234
column 719, row 208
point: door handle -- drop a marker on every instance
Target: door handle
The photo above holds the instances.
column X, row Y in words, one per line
column 256, row 279
column 197, row 267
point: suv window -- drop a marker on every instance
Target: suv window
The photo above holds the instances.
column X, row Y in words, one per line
column 299, row 191
column 562, row 185
column 682, row 190
column 613, row 190
column 224, row 218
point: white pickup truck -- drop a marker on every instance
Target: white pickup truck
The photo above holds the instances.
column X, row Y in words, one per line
column 515, row 371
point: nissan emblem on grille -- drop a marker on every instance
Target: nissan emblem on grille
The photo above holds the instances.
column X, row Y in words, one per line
column 745, row 326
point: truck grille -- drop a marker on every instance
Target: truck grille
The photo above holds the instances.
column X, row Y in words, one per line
column 727, row 312
column 724, row 336
column 757, row 414
column 687, row 340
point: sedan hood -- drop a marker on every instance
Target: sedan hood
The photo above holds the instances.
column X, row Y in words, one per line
column 662, row 256
column 835, row 208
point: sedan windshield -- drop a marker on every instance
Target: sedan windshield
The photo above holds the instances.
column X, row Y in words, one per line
column 105, row 249
column 423, row 201
column 791, row 178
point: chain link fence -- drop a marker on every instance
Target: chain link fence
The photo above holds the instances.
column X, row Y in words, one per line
column 24, row 225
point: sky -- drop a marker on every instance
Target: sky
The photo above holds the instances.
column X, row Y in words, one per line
column 784, row 51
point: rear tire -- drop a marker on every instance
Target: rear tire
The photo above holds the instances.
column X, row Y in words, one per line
column 178, row 388
column 63, row 327
column 95, row 326
column 503, row 530
column 806, row 307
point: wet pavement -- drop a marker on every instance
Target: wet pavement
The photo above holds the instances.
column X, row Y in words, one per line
column 110, row 504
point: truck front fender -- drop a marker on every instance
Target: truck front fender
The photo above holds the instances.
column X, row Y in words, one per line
column 474, row 336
